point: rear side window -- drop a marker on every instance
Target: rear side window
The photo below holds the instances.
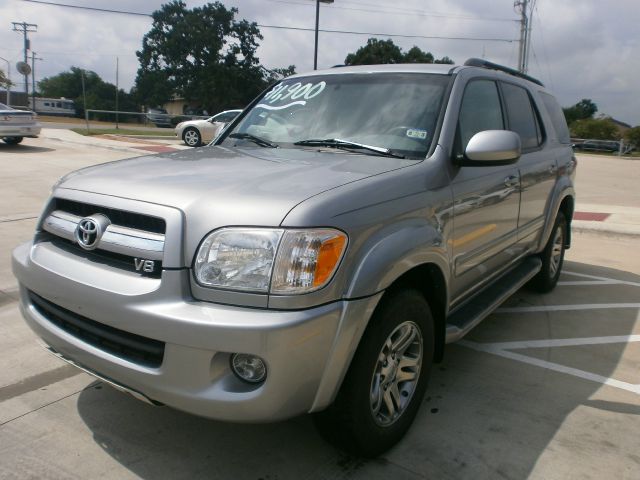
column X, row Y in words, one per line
column 480, row 110
column 227, row 117
column 521, row 115
column 557, row 117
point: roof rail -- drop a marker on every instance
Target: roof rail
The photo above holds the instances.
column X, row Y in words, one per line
column 478, row 62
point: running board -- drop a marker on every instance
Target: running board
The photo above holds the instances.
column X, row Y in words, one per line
column 471, row 313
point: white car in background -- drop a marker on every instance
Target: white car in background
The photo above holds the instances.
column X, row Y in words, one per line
column 17, row 124
column 196, row 132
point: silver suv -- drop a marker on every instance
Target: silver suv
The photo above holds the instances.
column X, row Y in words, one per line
column 318, row 256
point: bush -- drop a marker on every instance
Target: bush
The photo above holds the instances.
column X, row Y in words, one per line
column 595, row 128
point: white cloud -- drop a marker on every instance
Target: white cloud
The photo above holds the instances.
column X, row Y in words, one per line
column 585, row 49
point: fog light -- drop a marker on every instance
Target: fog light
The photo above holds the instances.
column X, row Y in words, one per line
column 249, row 368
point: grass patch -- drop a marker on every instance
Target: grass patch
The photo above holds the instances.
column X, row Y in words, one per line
column 124, row 131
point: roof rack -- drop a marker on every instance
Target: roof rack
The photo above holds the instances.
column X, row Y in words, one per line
column 478, row 62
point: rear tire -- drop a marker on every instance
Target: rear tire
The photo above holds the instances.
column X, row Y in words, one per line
column 383, row 389
column 192, row 137
column 552, row 257
column 12, row 140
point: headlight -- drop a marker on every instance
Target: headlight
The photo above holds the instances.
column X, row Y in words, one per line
column 237, row 258
column 275, row 260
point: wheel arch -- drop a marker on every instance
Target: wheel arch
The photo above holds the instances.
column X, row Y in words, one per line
column 562, row 200
column 426, row 278
column 567, row 207
column 429, row 280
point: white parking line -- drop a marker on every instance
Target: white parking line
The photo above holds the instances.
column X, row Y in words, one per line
column 565, row 342
column 505, row 349
column 604, row 280
column 490, row 348
column 588, row 282
column 565, row 308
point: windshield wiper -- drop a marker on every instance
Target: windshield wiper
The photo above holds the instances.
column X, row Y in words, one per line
column 257, row 140
column 347, row 144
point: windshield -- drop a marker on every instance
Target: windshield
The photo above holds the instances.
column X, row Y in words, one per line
column 396, row 111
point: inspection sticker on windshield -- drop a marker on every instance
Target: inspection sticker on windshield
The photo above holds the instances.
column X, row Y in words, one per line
column 416, row 133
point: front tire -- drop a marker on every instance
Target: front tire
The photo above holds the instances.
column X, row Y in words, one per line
column 552, row 257
column 12, row 140
column 383, row 389
column 192, row 137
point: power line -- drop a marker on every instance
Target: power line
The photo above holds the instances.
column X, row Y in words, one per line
column 381, row 34
column 94, row 9
column 283, row 27
column 397, row 11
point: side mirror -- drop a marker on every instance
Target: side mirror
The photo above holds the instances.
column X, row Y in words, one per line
column 493, row 147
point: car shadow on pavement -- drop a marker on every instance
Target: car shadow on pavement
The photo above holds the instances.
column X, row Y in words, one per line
column 484, row 415
column 4, row 148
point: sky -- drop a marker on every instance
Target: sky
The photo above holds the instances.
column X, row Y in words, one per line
column 579, row 49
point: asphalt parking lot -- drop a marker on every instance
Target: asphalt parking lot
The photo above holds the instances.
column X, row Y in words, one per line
column 547, row 387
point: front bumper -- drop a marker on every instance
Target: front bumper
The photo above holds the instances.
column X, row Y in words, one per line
column 306, row 352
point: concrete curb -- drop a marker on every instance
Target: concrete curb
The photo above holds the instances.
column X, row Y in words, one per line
column 122, row 148
column 615, row 230
column 146, row 137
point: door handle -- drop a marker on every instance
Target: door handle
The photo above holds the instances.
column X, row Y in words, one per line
column 512, row 181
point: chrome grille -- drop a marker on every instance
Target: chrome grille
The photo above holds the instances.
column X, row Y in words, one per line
column 118, row 217
column 127, row 239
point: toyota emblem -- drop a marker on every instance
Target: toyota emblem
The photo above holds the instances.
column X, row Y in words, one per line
column 90, row 230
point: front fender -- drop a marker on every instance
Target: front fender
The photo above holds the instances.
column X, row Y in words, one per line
column 395, row 250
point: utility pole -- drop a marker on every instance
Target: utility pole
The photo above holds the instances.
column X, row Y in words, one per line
column 33, row 79
column 25, row 28
column 523, row 50
column 117, row 65
column 315, row 51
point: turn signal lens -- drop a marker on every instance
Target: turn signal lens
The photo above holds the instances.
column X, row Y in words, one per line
column 328, row 257
column 307, row 260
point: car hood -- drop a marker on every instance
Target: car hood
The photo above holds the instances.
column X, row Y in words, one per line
column 230, row 186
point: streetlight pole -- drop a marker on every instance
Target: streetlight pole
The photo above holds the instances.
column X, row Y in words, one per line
column 315, row 52
column 8, row 81
column 33, row 79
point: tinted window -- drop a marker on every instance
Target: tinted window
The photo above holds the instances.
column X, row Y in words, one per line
column 522, row 117
column 480, row 111
column 225, row 117
column 557, row 117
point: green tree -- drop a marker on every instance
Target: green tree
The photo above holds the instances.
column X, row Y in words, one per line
column 4, row 81
column 385, row 51
column 375, row 52
column 202, row 54
column 596, row 128
column 100, row 95
column 632, row 136
column 582, row 110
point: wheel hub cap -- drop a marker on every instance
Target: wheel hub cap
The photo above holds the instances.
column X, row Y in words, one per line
column 396, row 373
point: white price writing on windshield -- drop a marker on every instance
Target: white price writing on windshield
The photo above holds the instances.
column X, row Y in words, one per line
column 295, row 91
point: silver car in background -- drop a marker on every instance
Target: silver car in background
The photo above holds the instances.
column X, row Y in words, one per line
column 17, row 124
column 197, row 132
